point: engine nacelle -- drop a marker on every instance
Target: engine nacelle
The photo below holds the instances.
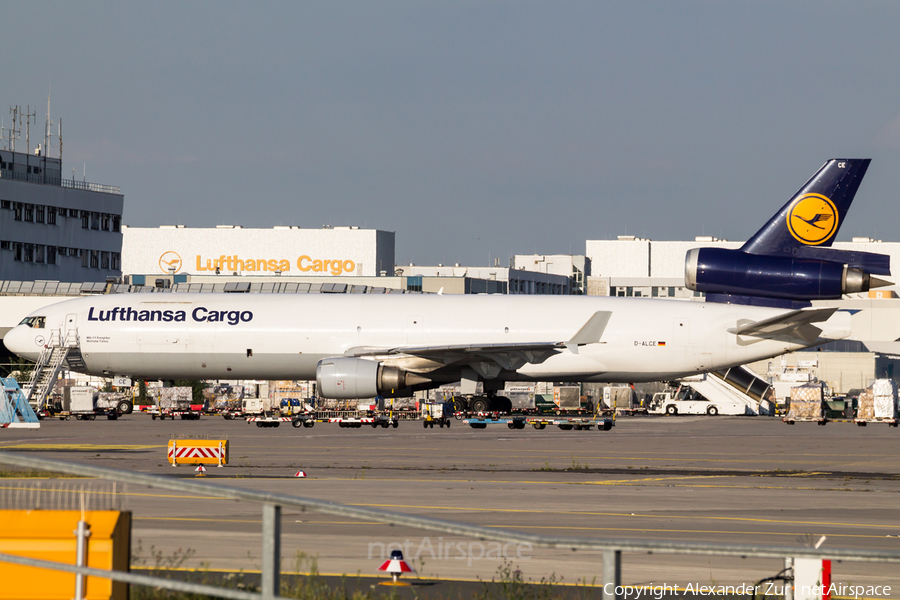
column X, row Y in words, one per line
column 724, row 271
column 343, row 378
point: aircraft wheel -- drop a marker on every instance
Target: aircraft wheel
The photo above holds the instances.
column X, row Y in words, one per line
column 712, row 411
column 480, row 404
column 671, row 409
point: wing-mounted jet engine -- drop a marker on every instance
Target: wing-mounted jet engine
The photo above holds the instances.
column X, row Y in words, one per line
column 790, row 261
column 348, row 378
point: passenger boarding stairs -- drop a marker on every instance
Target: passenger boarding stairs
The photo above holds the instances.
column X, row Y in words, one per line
column 737, row 384
column 47, row 368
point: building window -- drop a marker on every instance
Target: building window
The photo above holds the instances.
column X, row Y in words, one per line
column 18, row 209
column 62, row 250
column 6, row 204
column 74, row 252
column 51, row 215
column 85, row 258
column 28, row 254
column 95, row 220
column 29, row 212
column 39, row 253
column 5, row 245
column 85, row 216
column 18, row 249
column 117, row 223
column 51, row 255
column 105, row 222
column 116, row 261
column 104, row 260
column 39, row 217
column 73, row 212
column 414, row 284
column 95, row 259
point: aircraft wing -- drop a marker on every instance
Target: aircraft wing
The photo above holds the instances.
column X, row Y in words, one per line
column 793, row 324
column 509, row 356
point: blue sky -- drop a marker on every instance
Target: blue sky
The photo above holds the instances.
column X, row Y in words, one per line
column 474, row 130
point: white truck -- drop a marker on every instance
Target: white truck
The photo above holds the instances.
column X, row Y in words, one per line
column 687, row 401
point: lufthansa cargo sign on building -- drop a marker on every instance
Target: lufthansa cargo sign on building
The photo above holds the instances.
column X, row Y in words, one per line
column 286, row 250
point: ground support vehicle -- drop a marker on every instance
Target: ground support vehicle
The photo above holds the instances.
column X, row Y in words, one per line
column 540, row 422
column 85, row 404
column 687, row 401
column 345, row 418
column 269, row 420
column 437, row 413
column 792, row 420
column 168, row 413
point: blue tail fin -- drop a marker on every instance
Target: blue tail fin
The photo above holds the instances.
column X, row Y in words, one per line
column 813, row 216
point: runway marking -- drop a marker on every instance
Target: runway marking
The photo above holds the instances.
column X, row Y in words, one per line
column 308, row 522
column 516, row 527
column 725, row 532
column 31, row 446
column 610, row 514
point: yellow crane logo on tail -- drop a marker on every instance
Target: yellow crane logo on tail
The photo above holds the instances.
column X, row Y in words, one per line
column 813, row 219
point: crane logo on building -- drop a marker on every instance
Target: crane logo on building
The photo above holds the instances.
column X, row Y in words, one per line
column 813, row 219
column 168, row 261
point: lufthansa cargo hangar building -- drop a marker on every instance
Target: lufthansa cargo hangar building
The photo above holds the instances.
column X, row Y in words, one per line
column 234, row 250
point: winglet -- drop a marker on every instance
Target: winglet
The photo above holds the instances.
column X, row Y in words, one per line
column 591, row 331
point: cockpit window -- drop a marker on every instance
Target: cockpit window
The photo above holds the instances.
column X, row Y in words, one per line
column 34, row 322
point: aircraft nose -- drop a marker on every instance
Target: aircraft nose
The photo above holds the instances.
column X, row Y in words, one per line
column 25, row 341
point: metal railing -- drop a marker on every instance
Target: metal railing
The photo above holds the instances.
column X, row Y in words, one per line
column 58, row 181
column 611, row 549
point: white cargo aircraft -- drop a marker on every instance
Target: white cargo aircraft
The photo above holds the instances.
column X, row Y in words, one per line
column 361, row 346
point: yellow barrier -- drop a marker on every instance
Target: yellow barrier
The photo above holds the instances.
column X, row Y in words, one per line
column 198, row 452
column 50, row 535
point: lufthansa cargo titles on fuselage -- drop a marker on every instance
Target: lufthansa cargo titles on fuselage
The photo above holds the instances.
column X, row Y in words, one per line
column 200, row 314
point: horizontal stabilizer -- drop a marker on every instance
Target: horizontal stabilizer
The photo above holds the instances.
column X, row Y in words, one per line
column 794, row 324
column 870, row 262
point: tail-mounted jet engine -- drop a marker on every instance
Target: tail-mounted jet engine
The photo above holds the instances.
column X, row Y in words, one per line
column 349, row 378
column 724, row 271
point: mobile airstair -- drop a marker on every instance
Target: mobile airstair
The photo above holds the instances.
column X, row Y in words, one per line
column 15, row 411
column 46, row 370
